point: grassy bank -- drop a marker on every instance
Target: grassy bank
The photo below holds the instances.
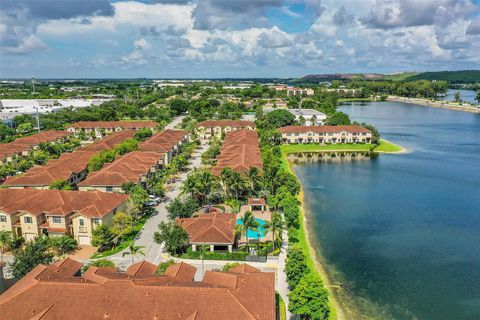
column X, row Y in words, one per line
column 384, row 147
column 340, row 100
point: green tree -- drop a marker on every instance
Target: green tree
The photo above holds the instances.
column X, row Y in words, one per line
column 25, row 127
column 5, row 242
column 275, row 227
column 122, row 224
column 182, row 208
column 338, row 119
column 478, row 97
column 139, row 195
column 163, row 266
column 143, row 134
column 102, row 235
column 230, row 265
column 60, row 185
column 172, row 235
column 254, row 180
column 100, row 263
column 309, row 299
column 63, row 244
column 34, row 253
column 279, row 118
column 457, row 97
column 247, row 222
column 134, row 250
column 225, row 176
column 237, row 184
column 189, row 185
column 295, row 266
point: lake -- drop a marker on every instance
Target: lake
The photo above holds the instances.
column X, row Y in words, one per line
column 401, row 233
column 465, row 95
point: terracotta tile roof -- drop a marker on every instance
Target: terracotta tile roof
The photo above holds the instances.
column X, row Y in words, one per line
column 210, row 228
column 181, row 271
column 24, row 144
column 98, row 294
column 142, row 268
column 59, row 202
column 68, row 163
column 164, row 141
column 127, row 168
column 256, row 201
column 322, row 129
column 226, row 123
column 244, row 268
column 113, row 124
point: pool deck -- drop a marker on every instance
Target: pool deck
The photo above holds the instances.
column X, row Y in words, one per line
column 264, row 215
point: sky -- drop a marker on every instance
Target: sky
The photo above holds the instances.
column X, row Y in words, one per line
column 235, row 38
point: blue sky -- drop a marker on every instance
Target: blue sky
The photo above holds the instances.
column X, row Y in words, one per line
column 235, row 38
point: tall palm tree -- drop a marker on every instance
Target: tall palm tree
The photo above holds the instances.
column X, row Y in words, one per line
column 205, row 184
column 237, row 183
column 254, row 179
column 247, row 222
column 225, row 176
column 275, row 227
column 133, row 250
column 189, row 185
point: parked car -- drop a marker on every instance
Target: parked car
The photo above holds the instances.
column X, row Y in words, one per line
column 151, row 203
column 152, row 197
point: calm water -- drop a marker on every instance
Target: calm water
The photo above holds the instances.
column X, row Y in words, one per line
column 403, row 231
column 466, row 95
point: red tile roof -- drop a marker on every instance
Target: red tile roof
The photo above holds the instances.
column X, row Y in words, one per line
column 113, row 124
column 24, row 144
column 59, row 202
column 256, row 201
column 240, row 152
column 226, row 123
column 68, row 163
column 56, row 292
column 322, row 129
column 164, row 141
column 210, row 228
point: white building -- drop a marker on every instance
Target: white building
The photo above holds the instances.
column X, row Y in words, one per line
column 312, row 117
column 294, row 91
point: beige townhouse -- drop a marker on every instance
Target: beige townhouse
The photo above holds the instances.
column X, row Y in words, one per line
column 325, row 134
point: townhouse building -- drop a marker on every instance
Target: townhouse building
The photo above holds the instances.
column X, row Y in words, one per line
column 214, row 128
column 325, row 134
column 100, row 128
column 31, row 213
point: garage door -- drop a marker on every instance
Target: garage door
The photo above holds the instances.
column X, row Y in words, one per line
column 84, row 240
column 29, row 236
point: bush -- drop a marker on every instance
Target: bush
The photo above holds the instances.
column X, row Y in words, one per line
column 182, row 208
column 63, row 244
column 295, row 266
column 101, row 263
column 162, row 267
column 309, row 299
column 228, row 266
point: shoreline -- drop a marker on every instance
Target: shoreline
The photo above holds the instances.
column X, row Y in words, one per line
column 338, row 307
column 435, row 104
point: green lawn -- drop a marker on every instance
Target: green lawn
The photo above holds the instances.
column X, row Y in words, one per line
column 312, row 147
column 125, row 242
column 387, row 146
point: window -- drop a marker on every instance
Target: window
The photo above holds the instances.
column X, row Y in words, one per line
column 96, row 221
column 56, row 219
column 3, row 218
column 27, row 219
column 81, row 222
column 109, row 189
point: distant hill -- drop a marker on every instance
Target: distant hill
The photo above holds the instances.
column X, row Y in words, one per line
column 465, row 76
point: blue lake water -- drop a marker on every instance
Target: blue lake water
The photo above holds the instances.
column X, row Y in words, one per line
column 465, row 95
column 402, row 232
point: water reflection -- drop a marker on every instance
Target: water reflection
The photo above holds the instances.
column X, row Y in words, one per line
column 330, row 156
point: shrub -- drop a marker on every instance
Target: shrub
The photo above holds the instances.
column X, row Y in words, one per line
column 295, row 266
column 182, row 208
column 309, row 299
column 162, row 267
column 230, row 265
column 101, row 263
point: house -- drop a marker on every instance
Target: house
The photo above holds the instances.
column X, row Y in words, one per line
column 59, row 291
column 311, row 117
column 134, row 167
column 294, row 91
column 216, row 230
column 23, row 146
column 100, row 128
column 70, row 167
column 240, row 152
column 31, row 213
column 325, row 134
column 214, row 128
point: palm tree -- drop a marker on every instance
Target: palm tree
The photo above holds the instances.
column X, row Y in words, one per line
column 247, row 222
column 254, row 179
column 189, row 185
column 275, row 227
column 204, row 184
column 133, row 250
column 225, row 176
column 5, row 242
column 237, row 183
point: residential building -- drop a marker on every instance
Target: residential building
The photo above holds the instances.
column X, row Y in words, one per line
column 100, row 128
column 59, row 291
column 214, row 128
column 23, row 146
column 294, row 91
column 70, row 167
column 311, row 117
column 31, row 213
column 216, row 230
column 137, row 166
column 325, row 134
column 240, row 152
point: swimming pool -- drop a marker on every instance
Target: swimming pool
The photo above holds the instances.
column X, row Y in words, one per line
column 260, row 229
